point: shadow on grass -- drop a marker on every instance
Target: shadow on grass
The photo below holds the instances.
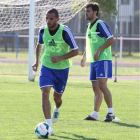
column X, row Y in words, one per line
column 79, row 137
column 10, row 82
column 127, row 125
column 80, row 86
column 52, row 138
column 18, row 82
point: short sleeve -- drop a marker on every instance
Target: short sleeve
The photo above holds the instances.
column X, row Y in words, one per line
column 40, row 37
column 69, row 39
column 104, row 30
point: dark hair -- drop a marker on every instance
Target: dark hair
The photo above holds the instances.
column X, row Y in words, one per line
column 53, row 10
column 94, row 6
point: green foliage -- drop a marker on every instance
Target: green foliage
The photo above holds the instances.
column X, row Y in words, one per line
column 107, row 7
column 137, row 13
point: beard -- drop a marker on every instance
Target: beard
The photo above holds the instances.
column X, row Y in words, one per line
column 50, row 26
column 88, row 18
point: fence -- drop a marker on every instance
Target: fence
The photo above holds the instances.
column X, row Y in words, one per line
column 76, row 37
column 119, row 38
column 16, row 42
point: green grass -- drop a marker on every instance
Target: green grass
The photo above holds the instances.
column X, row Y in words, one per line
column 22, row 69
column 21, row 55
column 20, row 111
column 135, row 57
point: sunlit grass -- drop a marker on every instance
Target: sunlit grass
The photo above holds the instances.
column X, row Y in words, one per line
column 22, row 69
column 135, row 57
column 21, row 111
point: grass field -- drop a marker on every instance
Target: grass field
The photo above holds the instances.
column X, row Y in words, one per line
column 135, row 57
column 22, row 69
column 20, row 111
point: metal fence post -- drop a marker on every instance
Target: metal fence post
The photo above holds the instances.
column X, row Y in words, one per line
column 16, row 46
column 121, row 42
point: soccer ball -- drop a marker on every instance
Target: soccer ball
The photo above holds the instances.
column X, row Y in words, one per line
column 43, row 130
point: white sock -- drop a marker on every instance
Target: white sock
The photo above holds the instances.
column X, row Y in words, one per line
column 110, row 110
column 49, row 121
column 57, row 109
column 94, row 113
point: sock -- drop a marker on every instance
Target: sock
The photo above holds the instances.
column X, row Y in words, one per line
column 94, row 113
column 110, row 110
column 49, row 121
column 57, row 109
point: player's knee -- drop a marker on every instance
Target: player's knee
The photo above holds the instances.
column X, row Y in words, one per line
column 102, row 86
column 56, row 99
column 45, row 95
column 95, row 88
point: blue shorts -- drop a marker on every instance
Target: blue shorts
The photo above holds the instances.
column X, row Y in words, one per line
column 100, row 69
column 57, row 78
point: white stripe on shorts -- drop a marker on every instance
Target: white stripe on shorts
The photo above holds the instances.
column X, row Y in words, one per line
column 106, row 68
column 46, row 86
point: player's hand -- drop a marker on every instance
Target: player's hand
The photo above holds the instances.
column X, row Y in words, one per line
column 35, row 66
column 96, row 55
column 55, row 59
column 82, row 63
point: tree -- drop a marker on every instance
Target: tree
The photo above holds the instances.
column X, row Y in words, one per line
column 107, row 6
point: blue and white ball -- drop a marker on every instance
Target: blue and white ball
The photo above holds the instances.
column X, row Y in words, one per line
column 43, row 130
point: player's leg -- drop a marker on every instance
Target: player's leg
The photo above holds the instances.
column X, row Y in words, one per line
column 102, row 84
column 104, row 71
column 46, row 82
column 58, row 103
column 46, row 106
column 59, row 88
column 97, row 94
column 57, row 99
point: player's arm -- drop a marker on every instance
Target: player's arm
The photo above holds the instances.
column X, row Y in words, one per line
column 109, row 42
column 83, row 59
column 70, row 40
column 105, row 31
column 71, row 54
column 38, row 49
column 38, row 52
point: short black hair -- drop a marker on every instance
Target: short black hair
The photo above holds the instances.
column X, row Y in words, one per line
column 53, row 10
column 94, row 6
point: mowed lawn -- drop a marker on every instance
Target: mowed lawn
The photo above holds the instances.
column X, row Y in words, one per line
column 22, row 69
column 20, row 111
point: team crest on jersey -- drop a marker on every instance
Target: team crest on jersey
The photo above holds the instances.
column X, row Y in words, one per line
column 52, row 43
column 89, row 35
